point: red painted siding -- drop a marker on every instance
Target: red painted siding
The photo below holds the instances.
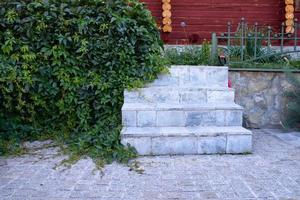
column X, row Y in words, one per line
column 202, row 17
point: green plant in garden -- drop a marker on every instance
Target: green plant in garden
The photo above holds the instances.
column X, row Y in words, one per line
column 295, row 64
column 293, row 106
column 64, row 65
column 250, row 49
column 256, row 53
column 189, row 55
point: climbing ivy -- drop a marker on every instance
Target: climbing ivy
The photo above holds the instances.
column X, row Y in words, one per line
column 64, row 65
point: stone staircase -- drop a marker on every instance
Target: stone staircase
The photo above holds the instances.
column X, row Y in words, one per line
column 189, row 111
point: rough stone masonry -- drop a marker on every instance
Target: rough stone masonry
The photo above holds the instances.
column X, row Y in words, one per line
column 262, row 96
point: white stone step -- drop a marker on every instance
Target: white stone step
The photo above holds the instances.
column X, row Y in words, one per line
column 181, row 115
column 179, row 95
column 194, row 75
column 188, row 140
column 175, row 106
column 191, row 110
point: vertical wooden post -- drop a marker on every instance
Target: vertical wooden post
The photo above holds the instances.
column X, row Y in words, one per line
column 214, row 47
column 269, row 39
column 255, row 38
column 295, row 34
column 281, row 37
column 243, row 28
column 228, row 40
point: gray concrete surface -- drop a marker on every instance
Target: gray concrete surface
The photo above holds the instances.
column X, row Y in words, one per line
column 272, row 172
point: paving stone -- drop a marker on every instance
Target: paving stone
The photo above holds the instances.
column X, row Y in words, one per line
column 217, row 76
column 193, row 96
column 217, row 96
column 141, row 144
column 129, row 118
column 132, row 96
column 239, row 144
column 220, row 117
column 211, row 145
column 170, row 118
column 159, row 95
column 146, row 118
column 201, row 118
column 174, row 145
column 198, row 76
column 234, row 118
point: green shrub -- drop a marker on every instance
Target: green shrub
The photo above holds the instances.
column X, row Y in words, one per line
column 295, row 64
column 63, row 67
column 189, row 55
column 256, row 53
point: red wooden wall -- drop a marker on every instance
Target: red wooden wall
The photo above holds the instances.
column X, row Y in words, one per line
column 202, row 17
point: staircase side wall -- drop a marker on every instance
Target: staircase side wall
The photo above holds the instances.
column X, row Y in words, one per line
column 261, row 95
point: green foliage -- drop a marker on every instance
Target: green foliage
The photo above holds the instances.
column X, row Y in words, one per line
column 259, row 65
column 249, row 48
column 295, row 64
column 263, row 56
column 189, row 55
column 256, row 53
column 293, row 106
column 63, row 67
column 284, row 63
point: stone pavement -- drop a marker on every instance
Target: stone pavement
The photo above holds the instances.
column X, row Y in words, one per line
column 272, row 172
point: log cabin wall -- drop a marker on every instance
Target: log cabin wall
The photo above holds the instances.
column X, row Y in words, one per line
column 202, row 17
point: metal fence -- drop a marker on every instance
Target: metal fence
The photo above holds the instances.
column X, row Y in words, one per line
column 254, row 42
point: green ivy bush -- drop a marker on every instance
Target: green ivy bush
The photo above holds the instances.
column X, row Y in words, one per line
column 63, row 67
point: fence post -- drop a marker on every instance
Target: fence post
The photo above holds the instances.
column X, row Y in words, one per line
column 255, row 38
column 295, row 34
column 243, row 28
column 214, row 47
column 228, row 40
column 269, row 39
column 281, row 37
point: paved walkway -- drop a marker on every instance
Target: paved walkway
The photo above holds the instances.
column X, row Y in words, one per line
column 271, row 172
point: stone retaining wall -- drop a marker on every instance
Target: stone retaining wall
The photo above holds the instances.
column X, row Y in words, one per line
column 261, row 95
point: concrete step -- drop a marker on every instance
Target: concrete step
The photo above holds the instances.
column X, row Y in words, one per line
column 191, row 110
column 188, row 140
column 181, row 115
column 169, row 94
column 194, row 75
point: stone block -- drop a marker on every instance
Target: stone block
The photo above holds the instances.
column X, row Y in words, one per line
column 215, row 96
column 198, row 76
column 182, row 73
column 170, row 118
column 193, row 96
column 151, row 95
column 234, row 118
column 200, row 118
column 220, row 118
column 131, row 96
column 157, row 95
column 146, row 118
column 211, row 145
column 140, row 131
column 129, row 118
column 174, row 145
column 239, row 144
column 141, row 144
column 217, row 76
column 165, row 80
